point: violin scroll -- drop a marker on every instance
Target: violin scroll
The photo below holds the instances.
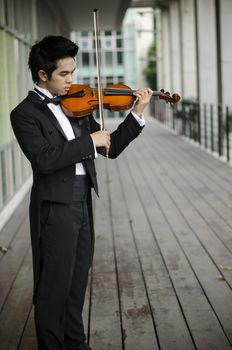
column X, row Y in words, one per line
column 174, row 98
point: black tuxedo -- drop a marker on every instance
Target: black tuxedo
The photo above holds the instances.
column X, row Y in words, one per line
column 53, row 160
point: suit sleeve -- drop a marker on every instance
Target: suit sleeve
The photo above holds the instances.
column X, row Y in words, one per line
column 126, row 132
column 45, row 157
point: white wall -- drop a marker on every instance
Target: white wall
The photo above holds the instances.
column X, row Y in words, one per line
column 165, row 58
column 177, row 51
column 226, row 51
column 188, row 47
column 138, row 31
column 207, row 51
column 175, row 46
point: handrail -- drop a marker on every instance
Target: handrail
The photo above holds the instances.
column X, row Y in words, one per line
column 207, row 124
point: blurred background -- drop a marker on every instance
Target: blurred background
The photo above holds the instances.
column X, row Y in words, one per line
column 181, row 46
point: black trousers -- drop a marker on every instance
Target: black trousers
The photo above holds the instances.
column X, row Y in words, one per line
column 66, row 256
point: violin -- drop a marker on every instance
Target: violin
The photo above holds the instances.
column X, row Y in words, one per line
column 82, row 100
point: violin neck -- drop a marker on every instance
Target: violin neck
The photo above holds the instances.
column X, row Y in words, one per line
column 155, row 93
column 125, row 92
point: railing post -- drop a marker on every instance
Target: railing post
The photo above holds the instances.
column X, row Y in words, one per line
column 195, row 124
column 205, row 125
column 219, row 130
column 212, row 128
column 190, row 122
column 184, row 120
column 173, row 117
column 199, row 122
column 227, row 134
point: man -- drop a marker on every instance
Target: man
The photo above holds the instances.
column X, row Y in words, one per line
column 62, row 152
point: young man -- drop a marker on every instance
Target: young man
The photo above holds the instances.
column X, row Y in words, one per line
column 62, row 152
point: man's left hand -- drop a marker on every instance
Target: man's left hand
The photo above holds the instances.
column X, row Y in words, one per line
column 143, row 98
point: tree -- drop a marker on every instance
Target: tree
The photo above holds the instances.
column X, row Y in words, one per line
column 150, row 71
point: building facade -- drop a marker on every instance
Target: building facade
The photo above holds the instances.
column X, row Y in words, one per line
column 123, row 52
column 22, row 22
column 194, row 56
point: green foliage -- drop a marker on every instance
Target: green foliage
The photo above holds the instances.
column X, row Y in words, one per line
column 150, row 71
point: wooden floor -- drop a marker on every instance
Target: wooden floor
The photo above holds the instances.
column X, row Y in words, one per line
column 163, row 242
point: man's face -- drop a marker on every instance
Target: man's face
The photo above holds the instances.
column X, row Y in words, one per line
column 61, row 78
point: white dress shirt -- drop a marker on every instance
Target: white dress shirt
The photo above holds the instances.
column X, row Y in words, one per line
column 67, row 128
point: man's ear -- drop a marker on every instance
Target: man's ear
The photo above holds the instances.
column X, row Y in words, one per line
column 43, row 75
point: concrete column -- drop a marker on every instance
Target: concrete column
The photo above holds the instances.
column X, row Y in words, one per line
column 207, row 51
column 164, row 64
column 159, row 48
column 226, row 50
column 188, row 49
column 145, row 36
column 175, row 47
column 34, row 29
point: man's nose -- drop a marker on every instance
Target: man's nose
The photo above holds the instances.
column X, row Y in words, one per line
column 69, row 79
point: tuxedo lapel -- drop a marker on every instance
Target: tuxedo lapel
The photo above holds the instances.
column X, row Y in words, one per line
column 53, row 120
column 37, row 101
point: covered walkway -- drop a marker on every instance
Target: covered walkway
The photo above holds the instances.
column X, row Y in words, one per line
column 162, row 275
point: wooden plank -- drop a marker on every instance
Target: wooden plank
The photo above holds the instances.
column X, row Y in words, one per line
column 105, row 329
column 12, row 260
column 15, row 235
column 203, row 267
column 213, row 172
column 156, row 259
column 213, row 167
column 28, row 339
column 218, row 199
column 17, row 307
column 136, row 314
column 199, row 214
column 172, row 330
column 12, row 226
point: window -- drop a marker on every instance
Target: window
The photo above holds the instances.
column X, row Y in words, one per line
column 84, row 44
column 2, row 13
column 109, row 80
column 86, row 81
column 107, row 32
column 119, row 43
column 84, row 34
column 121, row 80
column 120, row 57
column 85, row 59
column 109, row 59
column 108, row 43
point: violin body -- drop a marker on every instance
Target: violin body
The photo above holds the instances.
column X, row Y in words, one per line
column 82, row 100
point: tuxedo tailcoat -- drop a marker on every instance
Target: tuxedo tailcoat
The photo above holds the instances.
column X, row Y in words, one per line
column 53, row 159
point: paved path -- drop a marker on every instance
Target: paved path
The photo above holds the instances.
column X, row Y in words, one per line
column 163, row 239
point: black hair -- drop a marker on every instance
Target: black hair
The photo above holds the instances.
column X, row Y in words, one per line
column 45, row 53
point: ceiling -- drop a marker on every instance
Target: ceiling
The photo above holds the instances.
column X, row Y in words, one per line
column 78, row 14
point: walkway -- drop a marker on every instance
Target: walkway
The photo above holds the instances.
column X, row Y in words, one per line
column 161, row 277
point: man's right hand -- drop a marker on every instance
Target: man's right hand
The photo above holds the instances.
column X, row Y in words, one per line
column 101, row 139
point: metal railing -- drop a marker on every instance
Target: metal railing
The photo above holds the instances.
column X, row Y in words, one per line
column 208, row 125
column 14, row 171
